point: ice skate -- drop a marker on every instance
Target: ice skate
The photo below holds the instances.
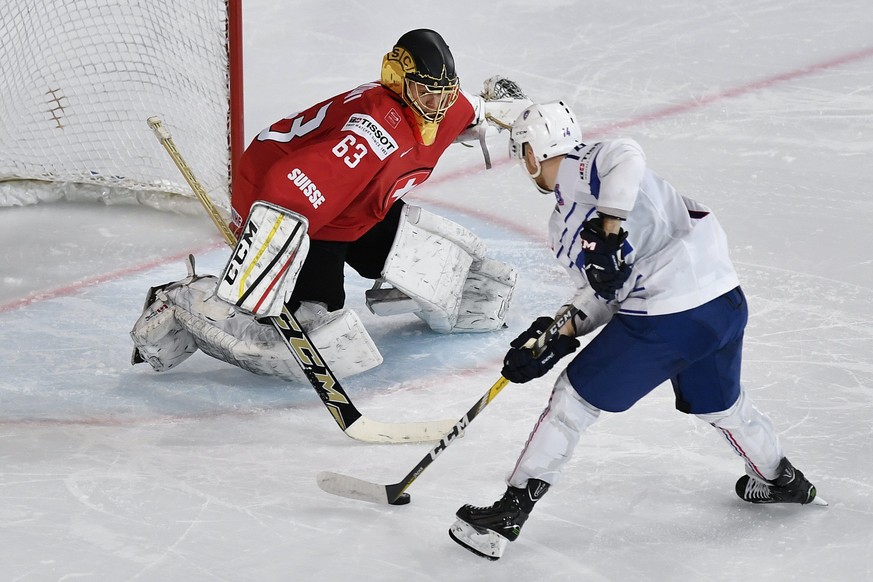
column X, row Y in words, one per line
column 485, row 531
column 789, row 486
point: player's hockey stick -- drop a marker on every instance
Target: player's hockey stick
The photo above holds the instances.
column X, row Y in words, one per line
column 319, row 374
column 395, row 493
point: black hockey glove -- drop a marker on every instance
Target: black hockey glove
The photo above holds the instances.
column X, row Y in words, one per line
column 520, row 365
column 602, row 258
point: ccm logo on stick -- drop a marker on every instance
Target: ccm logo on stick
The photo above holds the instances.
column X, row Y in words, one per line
column 307, row 186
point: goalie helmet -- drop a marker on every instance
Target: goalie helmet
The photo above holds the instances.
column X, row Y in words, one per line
column 420, row 69
column 549, row 129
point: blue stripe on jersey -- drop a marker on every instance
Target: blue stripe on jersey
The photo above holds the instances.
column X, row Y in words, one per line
column 595, row 180
column 568, row 244
column 560, row 251
column 633, row 311
column 579, row 230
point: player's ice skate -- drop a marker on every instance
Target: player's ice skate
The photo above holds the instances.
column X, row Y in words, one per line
column 485, row 531
column 790, row 486
column 482, row 542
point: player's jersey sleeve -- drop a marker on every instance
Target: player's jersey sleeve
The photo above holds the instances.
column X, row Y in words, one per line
column 620, row 166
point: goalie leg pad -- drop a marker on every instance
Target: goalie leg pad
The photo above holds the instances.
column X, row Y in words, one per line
column 486, row 297
column 258, row 352
column 343, row 342
column 439, row 271
column 238, row 338
column 185, row 316
column 444, row 228
column 428, row 263
column 261, row 272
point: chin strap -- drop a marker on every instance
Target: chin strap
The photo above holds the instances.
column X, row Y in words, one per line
column 533, row 177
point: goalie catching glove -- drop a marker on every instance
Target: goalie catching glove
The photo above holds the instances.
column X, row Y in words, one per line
column 521, row 364
column 495, row 109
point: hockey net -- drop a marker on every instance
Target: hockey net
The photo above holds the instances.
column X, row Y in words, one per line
column 82, row 76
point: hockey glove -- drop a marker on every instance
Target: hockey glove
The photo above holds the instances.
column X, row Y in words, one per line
column 602, row 258
column 498, row 87
column 521, row 365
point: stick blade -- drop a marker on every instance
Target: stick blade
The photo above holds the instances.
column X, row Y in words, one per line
column 352, row 488
column 372, row 431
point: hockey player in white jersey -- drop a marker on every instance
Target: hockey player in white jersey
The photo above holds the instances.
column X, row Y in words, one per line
column 653, row 266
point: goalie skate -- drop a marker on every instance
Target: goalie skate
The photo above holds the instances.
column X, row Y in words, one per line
column 482, row 542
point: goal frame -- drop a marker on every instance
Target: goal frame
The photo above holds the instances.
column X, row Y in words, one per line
column 236, row 108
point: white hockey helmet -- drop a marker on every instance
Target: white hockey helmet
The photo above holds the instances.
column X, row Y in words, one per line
column 550, row 129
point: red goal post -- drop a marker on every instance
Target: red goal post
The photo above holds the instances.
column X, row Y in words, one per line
column 81, row 77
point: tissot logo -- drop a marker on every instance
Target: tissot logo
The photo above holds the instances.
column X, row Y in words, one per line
column 374, row 128
column 368, row 128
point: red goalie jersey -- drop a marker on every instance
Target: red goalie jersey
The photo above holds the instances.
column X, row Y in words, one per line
column 343, row 162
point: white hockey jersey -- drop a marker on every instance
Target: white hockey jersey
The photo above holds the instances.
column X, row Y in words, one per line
column 678, row 249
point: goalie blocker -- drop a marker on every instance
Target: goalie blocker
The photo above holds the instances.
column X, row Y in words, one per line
column 261, row 272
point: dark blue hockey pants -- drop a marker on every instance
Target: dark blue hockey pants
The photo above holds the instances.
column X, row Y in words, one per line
column 699, row 351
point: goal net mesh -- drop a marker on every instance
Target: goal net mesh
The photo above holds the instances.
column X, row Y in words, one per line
column 80, row 79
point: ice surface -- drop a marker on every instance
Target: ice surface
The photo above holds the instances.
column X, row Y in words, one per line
column 762, row 110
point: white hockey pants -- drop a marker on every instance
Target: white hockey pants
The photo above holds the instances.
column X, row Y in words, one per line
column 553, row 440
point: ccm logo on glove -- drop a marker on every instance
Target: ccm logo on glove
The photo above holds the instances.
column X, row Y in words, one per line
column 602, row 258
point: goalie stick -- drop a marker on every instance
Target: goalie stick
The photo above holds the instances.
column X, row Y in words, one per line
column 319, row 374
column 395, row 493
